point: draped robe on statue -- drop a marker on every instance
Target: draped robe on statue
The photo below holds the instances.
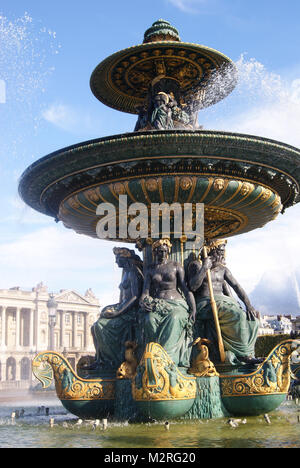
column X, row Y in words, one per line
column 169, row 325
column 239, row 334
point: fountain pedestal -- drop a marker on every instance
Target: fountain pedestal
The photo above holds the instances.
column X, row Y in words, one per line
column 208, row 401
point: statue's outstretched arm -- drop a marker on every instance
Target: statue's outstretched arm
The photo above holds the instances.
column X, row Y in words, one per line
column 251, row 312
column 197, row 273
column 146, row 292
column 226, row 289
column 146, row 286
column 187, row 293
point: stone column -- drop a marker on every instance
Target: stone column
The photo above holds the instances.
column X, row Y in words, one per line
column 74, row 329
column 31, row 328
column 18, row 369
column 62, row 329
column 2, row 376
column 37, row 313
column 3, row 369
column 3, row 331
column 86, row 331
column 18, row 327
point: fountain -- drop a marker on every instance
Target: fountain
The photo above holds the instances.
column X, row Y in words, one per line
column 177, row 344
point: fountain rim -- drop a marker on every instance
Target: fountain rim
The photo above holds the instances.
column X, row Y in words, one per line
column 150, row 133
column 27, row 188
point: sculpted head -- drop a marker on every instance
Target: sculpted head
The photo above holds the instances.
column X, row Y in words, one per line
column 217, row 250
column 161, row 249
column 161, row 99
column 219, row 184
column 246, row 188
column 125, row 257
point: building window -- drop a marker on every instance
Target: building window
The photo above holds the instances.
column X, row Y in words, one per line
column 80, row 341
column 11, row 369
column 79, row 319
column 68, row 319
column 68, row 340
column 25, row 369
column 44, row 317
column 43, row 336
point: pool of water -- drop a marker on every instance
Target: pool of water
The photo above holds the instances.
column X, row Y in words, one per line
column 33, row 430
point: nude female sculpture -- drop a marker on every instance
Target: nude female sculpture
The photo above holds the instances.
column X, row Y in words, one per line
column 168, row 313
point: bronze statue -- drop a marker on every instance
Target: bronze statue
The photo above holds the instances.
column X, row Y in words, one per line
column 169, row 313
column 130, row 287
column 117, row 322
column 161, row 117
column 142, row 120
column 239, row 327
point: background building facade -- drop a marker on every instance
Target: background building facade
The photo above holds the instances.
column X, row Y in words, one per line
column 24, row 330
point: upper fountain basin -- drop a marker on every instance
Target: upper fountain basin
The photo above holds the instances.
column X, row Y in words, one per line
column 244, row 181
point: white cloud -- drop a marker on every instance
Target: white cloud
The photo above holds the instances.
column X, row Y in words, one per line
column 187, row 6
column 268, row 260
column 61, row 259
column 21, row 214
column 72, row 120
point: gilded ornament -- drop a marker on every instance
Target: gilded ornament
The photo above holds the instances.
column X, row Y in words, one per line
column 119, row 188
column 151, row 185
column 122, row 252
column 164, row 241
column 158, row 379
column 271, row 377
column 218, row 184
column 185, row 183
column 127, row 370
column 214, row 244
column 266, row 194
column 69, row 386
column 93, row 195
column 246, row 188
column 73, row 202
column 202, row 366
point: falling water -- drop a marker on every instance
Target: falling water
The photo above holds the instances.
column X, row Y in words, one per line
column 263, row 103
column 26, row 52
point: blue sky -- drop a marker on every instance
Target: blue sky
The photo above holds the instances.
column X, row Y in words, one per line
column 48, row 51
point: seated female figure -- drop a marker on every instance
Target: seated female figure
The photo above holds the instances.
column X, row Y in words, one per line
column 117, row 322
column 167, row 311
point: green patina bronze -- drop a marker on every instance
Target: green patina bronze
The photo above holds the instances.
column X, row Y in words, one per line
column 159, row 29
column 239, row 334
column 169, row 324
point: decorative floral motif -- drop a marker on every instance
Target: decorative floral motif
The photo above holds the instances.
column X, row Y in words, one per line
column 68, row 385
column 272, row 376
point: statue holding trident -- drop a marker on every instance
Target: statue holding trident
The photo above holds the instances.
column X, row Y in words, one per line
column 220, row 318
